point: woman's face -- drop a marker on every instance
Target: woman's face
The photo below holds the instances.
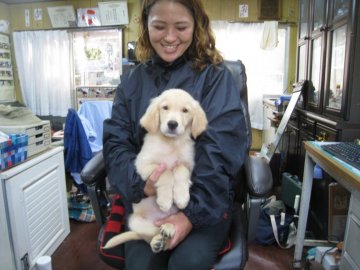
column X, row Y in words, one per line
column 171, row 28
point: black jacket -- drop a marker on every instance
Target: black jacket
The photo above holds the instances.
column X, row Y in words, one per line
column 219, row 152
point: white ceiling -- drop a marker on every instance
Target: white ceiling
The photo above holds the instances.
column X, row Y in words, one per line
column 24, row 1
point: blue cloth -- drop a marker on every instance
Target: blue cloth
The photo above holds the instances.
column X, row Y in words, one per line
column 77, row 149
column 92, row 115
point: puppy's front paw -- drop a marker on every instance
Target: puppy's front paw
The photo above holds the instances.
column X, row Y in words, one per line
column 167, row 230
column 164, row 203
column 181, row 198
column 182, row 201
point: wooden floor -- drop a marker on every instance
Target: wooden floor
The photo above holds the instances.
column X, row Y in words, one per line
column 78, row 252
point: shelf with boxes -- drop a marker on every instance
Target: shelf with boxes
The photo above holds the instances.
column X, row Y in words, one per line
column 7, row 90
column 38, row 135
column 85, row 93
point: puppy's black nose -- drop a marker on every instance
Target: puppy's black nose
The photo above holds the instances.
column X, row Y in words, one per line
column 172, row 124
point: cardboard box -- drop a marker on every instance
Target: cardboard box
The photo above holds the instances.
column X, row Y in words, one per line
column 339, row 200
column 326, row 260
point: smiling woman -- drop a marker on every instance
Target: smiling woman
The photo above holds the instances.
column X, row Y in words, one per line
column 176, row 49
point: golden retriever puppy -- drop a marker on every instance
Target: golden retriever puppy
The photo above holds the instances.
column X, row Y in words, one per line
column 171, row 120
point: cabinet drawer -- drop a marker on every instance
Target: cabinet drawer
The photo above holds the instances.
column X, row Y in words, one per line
column 307, row 125
column 39, row 129
column 324, row 133
column 39, row 137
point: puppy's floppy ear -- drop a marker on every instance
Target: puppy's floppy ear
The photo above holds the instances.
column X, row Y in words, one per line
column 151, row 119
column 199, row 121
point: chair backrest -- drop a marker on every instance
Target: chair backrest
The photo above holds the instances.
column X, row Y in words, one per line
column 238, row 71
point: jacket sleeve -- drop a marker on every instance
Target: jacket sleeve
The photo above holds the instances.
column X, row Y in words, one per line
column 119, row 150
column 220, row 152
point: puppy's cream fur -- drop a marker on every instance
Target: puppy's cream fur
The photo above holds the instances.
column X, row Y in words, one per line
column 171, row 119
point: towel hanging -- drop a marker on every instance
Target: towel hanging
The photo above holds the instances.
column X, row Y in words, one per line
column 269, row 39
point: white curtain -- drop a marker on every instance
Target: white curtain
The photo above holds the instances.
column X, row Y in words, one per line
column 43, row 61
column 265, row 69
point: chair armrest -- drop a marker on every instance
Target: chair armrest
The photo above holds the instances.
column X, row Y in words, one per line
column 94, row 170
column 259, row 184
column 258, row 176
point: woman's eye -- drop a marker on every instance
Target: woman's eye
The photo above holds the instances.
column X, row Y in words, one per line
column 185, row 110
column 159, row 28
column 181, row 29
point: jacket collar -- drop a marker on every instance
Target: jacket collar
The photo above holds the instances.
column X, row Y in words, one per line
column 161, row 70
column 157, row 62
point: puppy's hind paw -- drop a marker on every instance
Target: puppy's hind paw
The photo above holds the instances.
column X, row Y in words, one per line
column 158, row 243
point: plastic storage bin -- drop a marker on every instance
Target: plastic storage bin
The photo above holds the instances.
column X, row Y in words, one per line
column 13, row 150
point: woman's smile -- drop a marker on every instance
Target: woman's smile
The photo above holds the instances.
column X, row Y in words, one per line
column 170, row 48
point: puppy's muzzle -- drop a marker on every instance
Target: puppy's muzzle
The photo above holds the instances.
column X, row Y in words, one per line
column 172, row 125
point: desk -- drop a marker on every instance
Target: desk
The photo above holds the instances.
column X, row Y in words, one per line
column 349, row 178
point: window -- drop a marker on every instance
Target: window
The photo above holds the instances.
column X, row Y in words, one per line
column 43, row 61
column 267, row 70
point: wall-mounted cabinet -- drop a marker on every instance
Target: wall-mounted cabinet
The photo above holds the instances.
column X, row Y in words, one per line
column 327, row 56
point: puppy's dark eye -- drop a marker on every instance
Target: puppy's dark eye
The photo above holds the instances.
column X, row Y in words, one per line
column 185, row 110
column 165, row 107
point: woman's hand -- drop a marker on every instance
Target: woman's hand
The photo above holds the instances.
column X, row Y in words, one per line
column 149, row 188
column 182, row 225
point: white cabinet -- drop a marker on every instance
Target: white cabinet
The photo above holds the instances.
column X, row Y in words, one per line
column 36, row 206
column 6, row 256
column 351, row 252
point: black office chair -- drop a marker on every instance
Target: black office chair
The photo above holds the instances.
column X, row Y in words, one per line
column 256, row 186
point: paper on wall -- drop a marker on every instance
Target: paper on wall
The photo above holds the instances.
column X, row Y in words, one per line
column 4, row 26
